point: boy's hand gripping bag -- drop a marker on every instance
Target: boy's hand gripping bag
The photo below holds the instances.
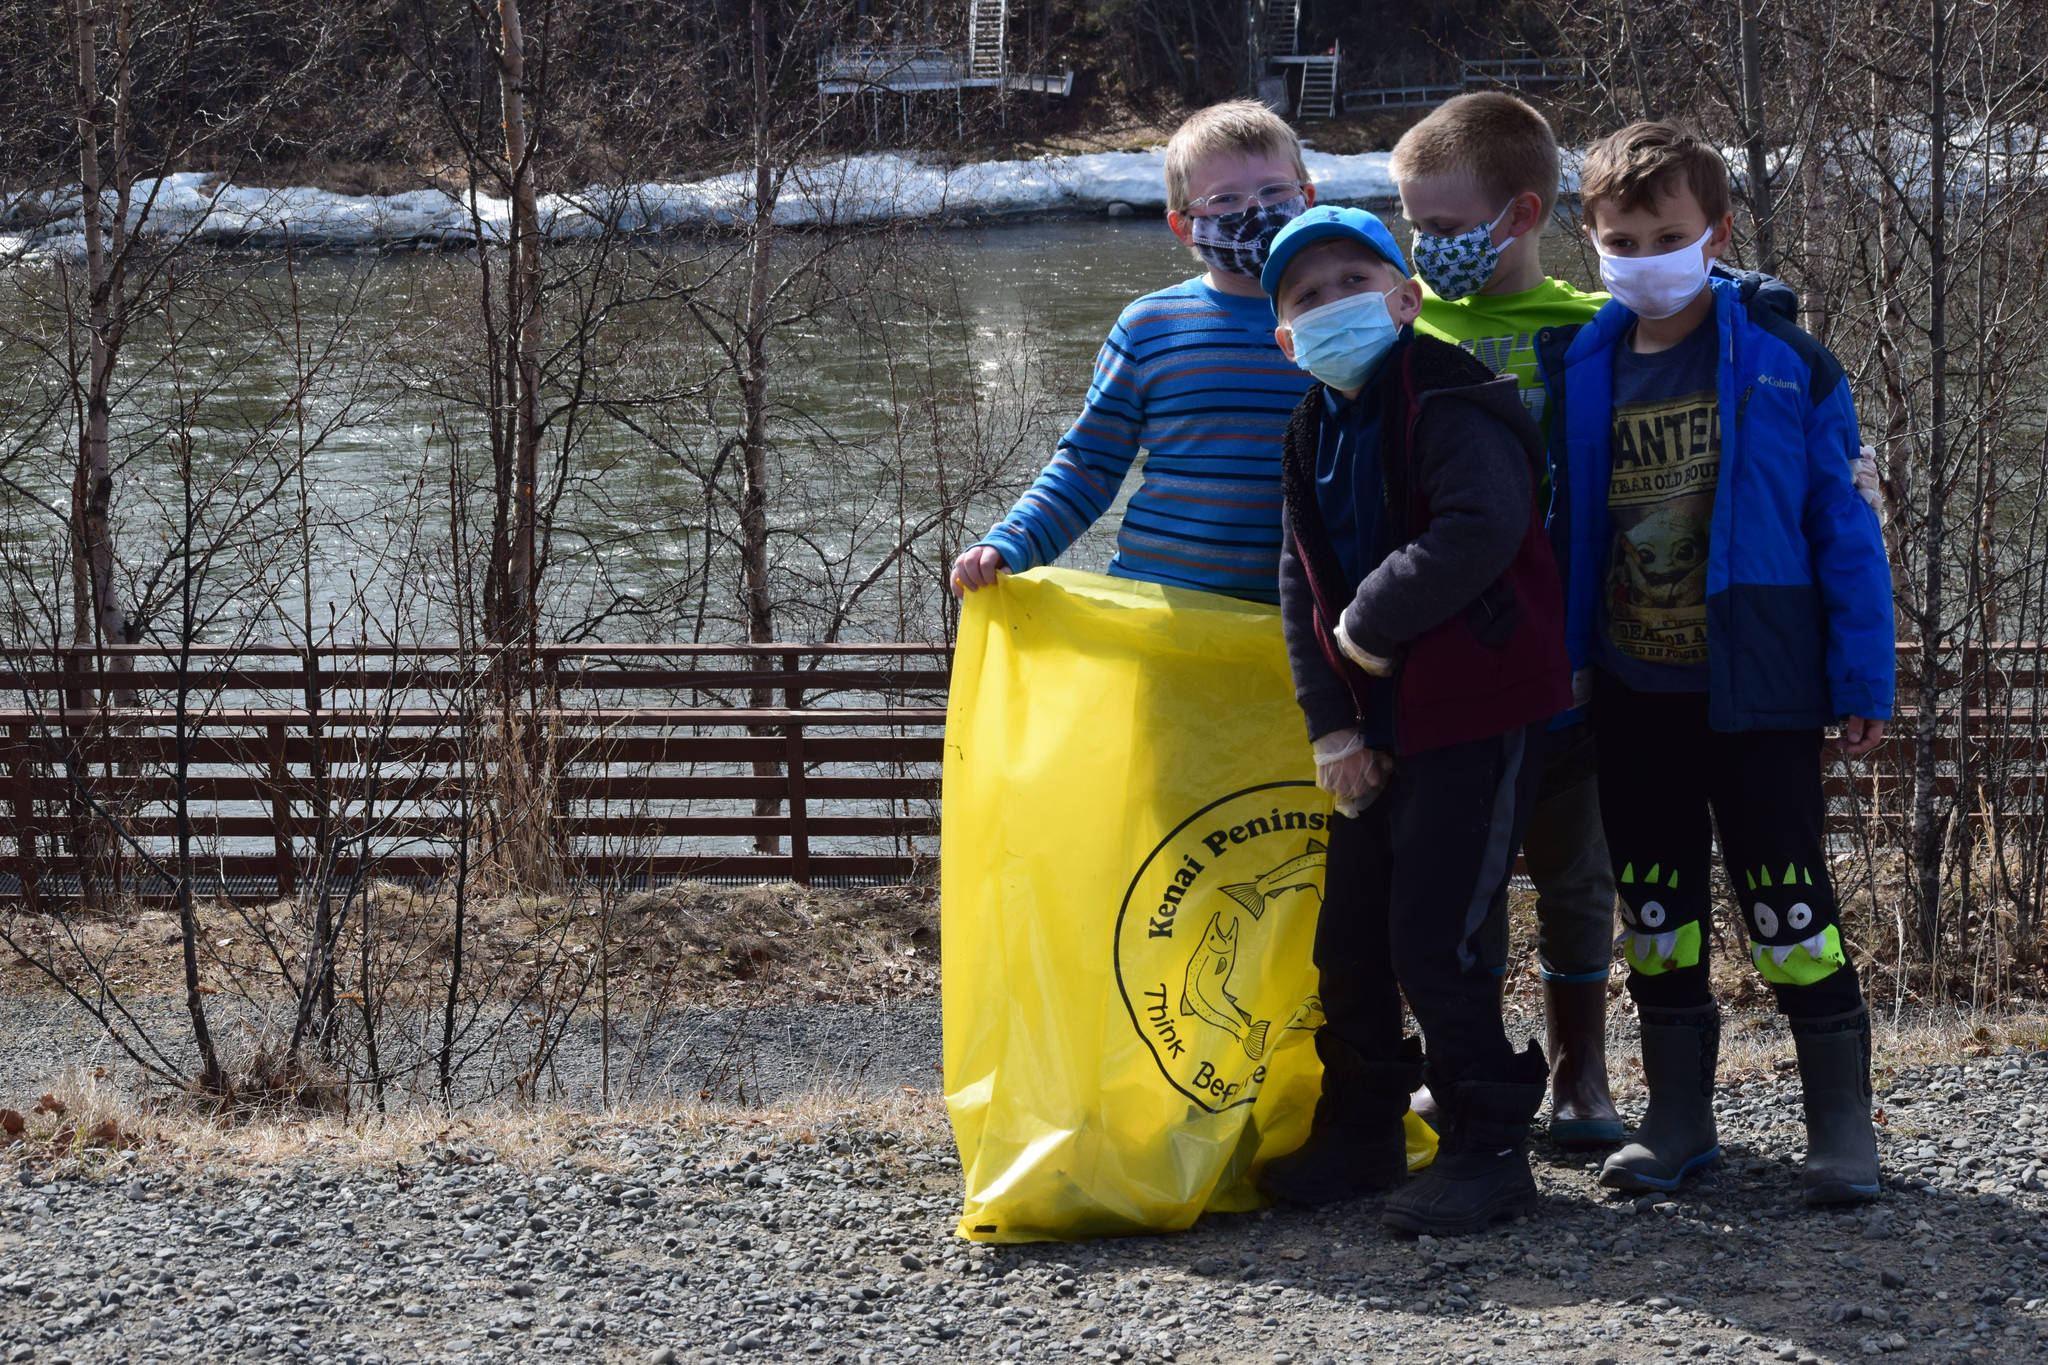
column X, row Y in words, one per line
column 1130, row 872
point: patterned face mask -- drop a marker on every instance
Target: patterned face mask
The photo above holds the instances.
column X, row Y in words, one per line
column 1456, row 266
column 1237, row 243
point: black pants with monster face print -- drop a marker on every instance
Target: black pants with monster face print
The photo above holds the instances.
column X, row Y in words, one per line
column 1663, row 774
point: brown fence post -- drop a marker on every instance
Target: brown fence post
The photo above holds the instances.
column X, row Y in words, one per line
column 799, row 835
column 563, row 840
column 24, row 816
column 793, row 767
column 86, row 836
column 281, row 810
column 316, row 768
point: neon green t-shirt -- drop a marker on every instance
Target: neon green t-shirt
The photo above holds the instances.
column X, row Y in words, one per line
column 1501, row 329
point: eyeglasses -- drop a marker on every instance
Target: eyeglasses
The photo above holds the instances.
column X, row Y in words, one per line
column 1265, row 197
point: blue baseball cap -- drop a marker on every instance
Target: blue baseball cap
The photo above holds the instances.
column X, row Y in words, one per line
column 1328, row 221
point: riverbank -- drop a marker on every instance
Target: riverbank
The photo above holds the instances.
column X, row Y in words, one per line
column 854, row 191
column 818, row 1227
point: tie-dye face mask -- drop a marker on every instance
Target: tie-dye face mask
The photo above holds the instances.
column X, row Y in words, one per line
column 1237, row 243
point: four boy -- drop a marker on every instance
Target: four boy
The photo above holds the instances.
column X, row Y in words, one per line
column 1478, row 181
column 1724, row 596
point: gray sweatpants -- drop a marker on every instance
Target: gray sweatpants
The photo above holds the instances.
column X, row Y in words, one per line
column 1565, row 851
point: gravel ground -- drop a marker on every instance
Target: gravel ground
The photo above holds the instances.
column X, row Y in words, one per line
column 823, row 1234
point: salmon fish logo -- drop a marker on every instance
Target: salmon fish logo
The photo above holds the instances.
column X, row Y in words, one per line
column 1206, row 992
column 1296, row 874
column 1214, row 937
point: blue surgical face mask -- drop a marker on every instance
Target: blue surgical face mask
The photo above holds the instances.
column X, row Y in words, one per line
column 1340, row 343
column 1457, row 266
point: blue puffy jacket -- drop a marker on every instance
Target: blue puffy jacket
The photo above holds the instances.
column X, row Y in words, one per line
column 1799, row 594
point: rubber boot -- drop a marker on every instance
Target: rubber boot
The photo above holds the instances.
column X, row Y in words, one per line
column 1676, row 1137
column 1582, row 1112
column 1357, row 1142
column 1841, row 1146
column 1481, row 1173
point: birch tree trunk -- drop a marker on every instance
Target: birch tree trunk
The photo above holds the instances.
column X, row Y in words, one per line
column 523, row 317
column 105, row 264
column 760, row 605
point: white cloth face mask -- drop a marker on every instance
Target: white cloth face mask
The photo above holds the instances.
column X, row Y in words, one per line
column 1655, row 287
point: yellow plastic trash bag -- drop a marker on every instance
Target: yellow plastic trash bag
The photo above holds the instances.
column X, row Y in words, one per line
column 1130, row 871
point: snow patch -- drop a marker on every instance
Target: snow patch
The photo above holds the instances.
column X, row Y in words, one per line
column 852, row 191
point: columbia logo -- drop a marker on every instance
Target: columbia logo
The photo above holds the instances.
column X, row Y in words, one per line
column 1777, row 383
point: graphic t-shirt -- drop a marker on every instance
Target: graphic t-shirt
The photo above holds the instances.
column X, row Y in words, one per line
column 1500, row 329
column 1660, row 499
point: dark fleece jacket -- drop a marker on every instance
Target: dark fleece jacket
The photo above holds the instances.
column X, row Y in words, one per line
column 1468, row 601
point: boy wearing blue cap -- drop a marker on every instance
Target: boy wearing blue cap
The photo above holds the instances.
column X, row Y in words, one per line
column 1424, row 623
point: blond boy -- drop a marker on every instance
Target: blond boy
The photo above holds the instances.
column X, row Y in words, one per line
column 1192, row 376
column 1478, row 181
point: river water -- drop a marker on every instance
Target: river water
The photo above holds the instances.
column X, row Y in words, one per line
column 989, row 337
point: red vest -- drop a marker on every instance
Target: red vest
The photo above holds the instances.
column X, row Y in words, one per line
column 1497, row 665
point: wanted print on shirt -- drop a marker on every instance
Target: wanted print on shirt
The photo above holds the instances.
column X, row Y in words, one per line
column 1667, row 460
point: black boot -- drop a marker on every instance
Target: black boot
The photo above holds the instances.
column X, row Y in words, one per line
column 1481, row 1173
column 1681, row 1048
column 1841, row 1146
column 1357, row 1143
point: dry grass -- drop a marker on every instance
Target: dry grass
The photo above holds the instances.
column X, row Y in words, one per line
column 97, row 1124
column 94, row 1123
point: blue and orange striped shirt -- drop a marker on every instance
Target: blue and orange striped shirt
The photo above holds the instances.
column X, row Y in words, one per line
column 1194, row 379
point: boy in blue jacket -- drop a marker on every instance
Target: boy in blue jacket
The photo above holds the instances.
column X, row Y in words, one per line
column 1729, row 588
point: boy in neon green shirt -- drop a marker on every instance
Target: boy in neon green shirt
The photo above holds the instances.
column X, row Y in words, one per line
column 1478, row 181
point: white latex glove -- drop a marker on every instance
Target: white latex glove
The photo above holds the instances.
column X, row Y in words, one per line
column 1864, row 472
column 1371, row 663
column 1349, row 771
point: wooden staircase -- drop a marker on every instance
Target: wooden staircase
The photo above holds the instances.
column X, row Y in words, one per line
column 1282, row 34
column 1318, row 86
column 987, row 22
